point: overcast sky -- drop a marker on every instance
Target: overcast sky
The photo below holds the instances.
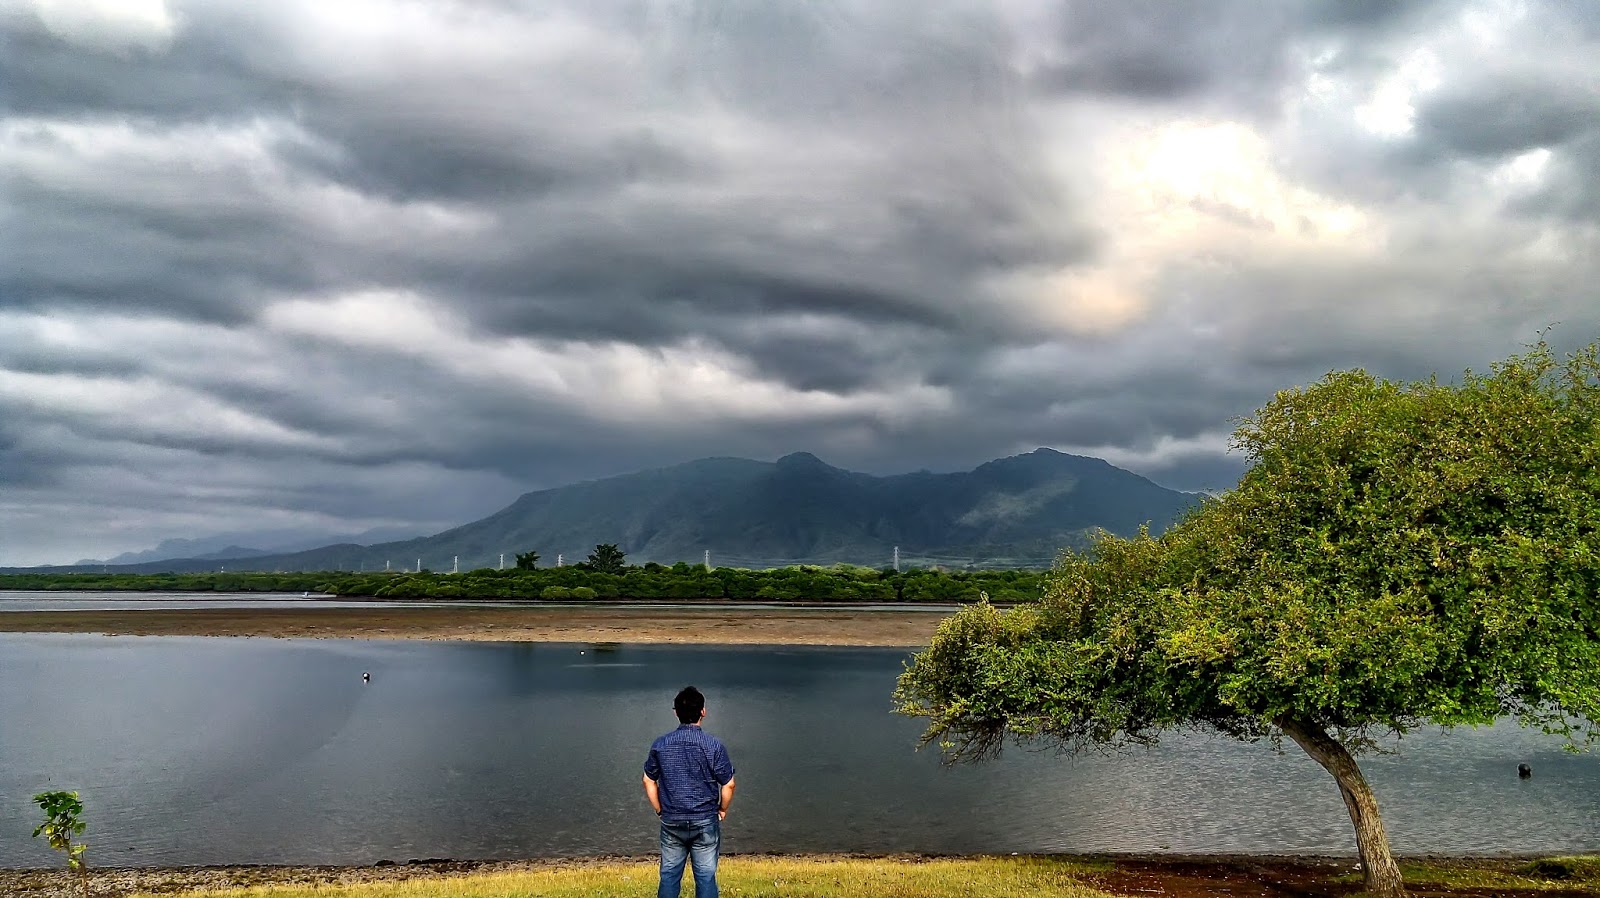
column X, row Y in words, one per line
column 338, row 265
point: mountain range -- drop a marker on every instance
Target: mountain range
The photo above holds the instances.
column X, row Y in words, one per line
column 1012, row 512
column 253, row 544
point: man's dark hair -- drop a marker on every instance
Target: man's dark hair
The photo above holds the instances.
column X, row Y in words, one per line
column 689, row 704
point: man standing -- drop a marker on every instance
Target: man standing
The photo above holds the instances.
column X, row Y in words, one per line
column 689, row 781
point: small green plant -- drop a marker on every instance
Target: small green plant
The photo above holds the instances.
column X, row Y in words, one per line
column 62, row 821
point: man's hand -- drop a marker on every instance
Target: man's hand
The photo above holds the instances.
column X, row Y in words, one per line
column 722, row 815
column 652, row 792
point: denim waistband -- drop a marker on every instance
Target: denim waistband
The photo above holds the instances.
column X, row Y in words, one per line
column 711, row 819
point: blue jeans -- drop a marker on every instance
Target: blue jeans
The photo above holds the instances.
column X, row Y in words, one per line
column 697, row 842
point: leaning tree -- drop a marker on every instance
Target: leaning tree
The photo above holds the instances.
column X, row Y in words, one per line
column 1397, row 554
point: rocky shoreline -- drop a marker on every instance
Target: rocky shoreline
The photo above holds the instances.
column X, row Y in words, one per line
column 117, row 881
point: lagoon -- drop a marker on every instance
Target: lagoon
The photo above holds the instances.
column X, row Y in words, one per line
column 230, row 751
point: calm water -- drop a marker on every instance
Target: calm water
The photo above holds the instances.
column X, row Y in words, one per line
column 200, row 751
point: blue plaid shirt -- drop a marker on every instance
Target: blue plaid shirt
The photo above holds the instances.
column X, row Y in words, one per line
column 690, row 767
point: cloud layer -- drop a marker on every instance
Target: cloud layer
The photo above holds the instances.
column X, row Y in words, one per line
column 346, row 265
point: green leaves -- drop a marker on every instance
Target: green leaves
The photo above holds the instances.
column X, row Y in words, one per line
column 61, row 823
column 607, row 559
column 1397, row 552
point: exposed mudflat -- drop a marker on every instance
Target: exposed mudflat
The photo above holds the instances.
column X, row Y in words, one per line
column 708, row 625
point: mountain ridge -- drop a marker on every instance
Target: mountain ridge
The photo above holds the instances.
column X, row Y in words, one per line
column 1020, row 510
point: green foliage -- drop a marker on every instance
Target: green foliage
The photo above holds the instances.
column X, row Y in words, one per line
column 583, row 593
column 836, row 583
column 527, row 561
column 607, row 559
column 1564, row 875
column 1408, row 553
column 63, row 820
column 1397, row 554
column 556, row 592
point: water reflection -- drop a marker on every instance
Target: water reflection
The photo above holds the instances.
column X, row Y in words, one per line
column 195, row 750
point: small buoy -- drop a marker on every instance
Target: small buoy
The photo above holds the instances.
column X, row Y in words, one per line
column 580, row 651
column 366, row 677
column 1524, row 771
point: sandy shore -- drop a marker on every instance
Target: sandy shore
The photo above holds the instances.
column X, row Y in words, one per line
column 629, row 624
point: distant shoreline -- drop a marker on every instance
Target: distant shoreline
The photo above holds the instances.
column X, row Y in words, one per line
column 578, row 583
column 713, row 624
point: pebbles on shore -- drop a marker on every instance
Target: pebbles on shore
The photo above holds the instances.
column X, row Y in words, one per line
column 118, row 881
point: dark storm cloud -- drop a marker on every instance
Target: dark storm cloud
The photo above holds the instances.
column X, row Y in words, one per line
column 410, row 158
column 305, row 264
column 149, row 232
column 1571, row 191
column 1158, row 50
column 19, row 468
column 648, row 298
column 1509, row 115
column 839, row 354
column 1236, row 53
column 956, row 193
column 1363, row 15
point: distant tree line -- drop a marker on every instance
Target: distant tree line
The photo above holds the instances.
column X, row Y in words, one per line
column 842, row 583
column 604, row 575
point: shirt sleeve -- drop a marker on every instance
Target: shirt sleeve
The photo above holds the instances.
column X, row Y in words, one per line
column 721, row 767
column 652, row 766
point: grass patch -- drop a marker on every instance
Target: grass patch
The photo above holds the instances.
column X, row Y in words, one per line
column 1467, row 877
column 1572, row 869
column 1021, row 877
column 1577, row 871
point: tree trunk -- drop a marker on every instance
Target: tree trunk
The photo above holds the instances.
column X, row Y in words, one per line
column 1377, row 864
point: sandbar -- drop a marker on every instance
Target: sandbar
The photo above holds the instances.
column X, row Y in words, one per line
column 709, row 625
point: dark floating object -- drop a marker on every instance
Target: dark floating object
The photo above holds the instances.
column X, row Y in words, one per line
column 367, row 678
column 1524, row 771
